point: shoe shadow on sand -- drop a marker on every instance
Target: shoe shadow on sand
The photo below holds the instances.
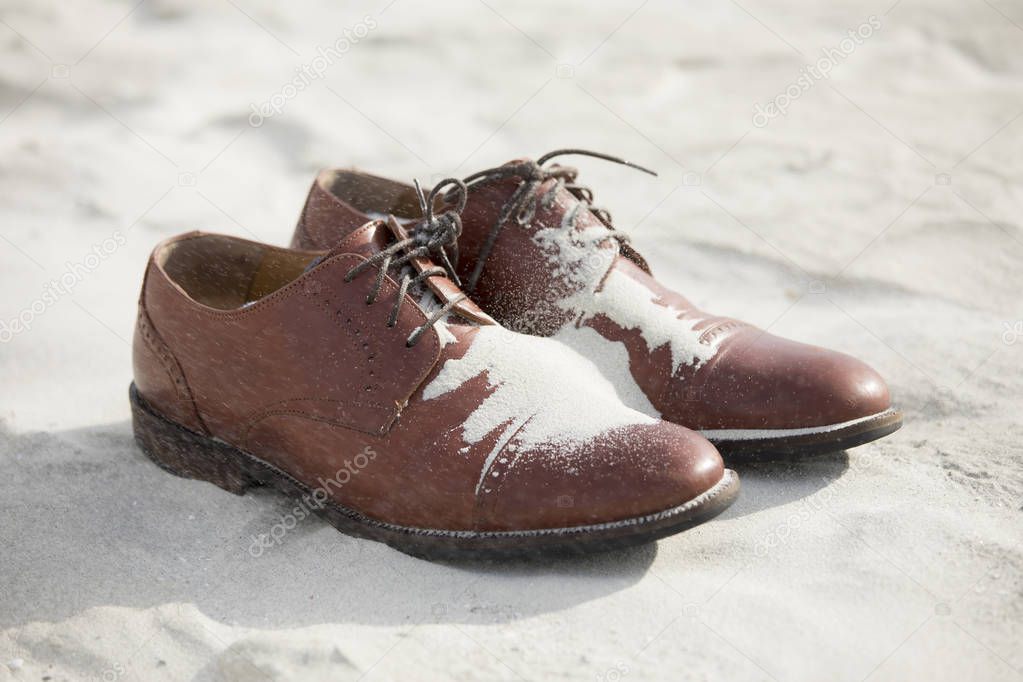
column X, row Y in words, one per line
column 88, row 520
column 774, row 481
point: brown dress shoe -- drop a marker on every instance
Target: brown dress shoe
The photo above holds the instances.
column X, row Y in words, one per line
column 536, row 255
column 364, row 382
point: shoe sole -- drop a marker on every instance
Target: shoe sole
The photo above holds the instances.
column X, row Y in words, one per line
column 188, row 454
column 754, row 443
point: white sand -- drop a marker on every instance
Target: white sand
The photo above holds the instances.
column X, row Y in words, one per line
column 519, row 371
column 832, row 224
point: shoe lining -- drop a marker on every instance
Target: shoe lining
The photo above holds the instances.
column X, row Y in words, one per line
column 372, row 195
column 226, row 273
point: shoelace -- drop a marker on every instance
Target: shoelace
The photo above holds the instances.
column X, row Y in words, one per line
column 523, row 202
column 431, row 237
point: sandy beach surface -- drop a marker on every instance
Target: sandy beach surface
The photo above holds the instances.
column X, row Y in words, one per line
column 879, row 214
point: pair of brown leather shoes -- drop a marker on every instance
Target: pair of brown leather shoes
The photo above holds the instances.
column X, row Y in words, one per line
column 354, row 371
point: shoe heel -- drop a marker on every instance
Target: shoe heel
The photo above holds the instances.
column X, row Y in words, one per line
column 185, row 453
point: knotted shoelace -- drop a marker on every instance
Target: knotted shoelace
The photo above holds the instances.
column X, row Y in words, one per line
column 523, row 202
column 431, row 237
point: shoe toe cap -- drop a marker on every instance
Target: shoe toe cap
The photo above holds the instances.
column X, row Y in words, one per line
column 764, row 381
column 862, row 389
column 625, row 473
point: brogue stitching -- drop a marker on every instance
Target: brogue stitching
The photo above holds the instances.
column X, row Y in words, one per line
column 432, row 339
column 170, row 364
column 484, row 498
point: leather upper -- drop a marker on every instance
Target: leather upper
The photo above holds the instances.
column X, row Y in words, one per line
column 272, row 351
column 552, row 276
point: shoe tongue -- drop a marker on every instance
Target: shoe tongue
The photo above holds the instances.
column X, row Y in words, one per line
column 442, row 287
